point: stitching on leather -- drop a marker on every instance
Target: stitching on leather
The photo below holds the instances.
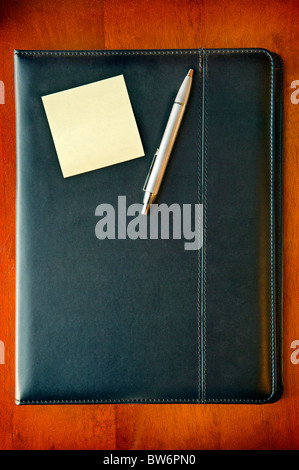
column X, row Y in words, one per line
column 279, row 66
column 141, row 400
column 90, row 53
column 279, row 241
column 200, row 200
column 203, row 174
column 205, row 205
column 145, row 400
column 145, row 52
column 199, row 145
column 272, row 221
column 181, row 52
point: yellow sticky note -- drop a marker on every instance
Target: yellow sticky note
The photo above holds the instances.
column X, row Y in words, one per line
column 93, row 126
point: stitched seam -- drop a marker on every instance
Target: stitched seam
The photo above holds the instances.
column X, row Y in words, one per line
column 138, row 52
column 141, row 400
column 200, row 200
column 279, row 244
column 199, row 251
column 108, row 53
column 204, row 319
column 204, row 197
column 272, row 220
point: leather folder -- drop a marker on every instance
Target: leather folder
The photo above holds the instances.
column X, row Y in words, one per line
column 145, row 320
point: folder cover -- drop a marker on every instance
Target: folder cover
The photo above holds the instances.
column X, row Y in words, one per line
column 124, row 319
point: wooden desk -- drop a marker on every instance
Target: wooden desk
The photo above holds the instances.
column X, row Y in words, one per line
column 142, row 24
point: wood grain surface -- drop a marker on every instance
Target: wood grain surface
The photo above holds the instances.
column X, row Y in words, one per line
column 142, row 24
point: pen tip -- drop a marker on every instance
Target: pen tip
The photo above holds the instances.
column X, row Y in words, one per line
column 145, row 209
column 190, row 73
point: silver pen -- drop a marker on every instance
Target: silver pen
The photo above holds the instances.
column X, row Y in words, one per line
column 161, row 157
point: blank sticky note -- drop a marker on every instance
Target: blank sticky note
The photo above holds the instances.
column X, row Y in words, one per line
column 93, row 126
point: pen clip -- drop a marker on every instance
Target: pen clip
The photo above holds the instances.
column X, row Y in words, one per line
column 150, row 170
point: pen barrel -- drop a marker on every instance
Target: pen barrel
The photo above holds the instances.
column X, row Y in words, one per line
column 162, row 157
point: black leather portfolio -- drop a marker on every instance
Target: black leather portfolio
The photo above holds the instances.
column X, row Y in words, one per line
column 153, row 319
